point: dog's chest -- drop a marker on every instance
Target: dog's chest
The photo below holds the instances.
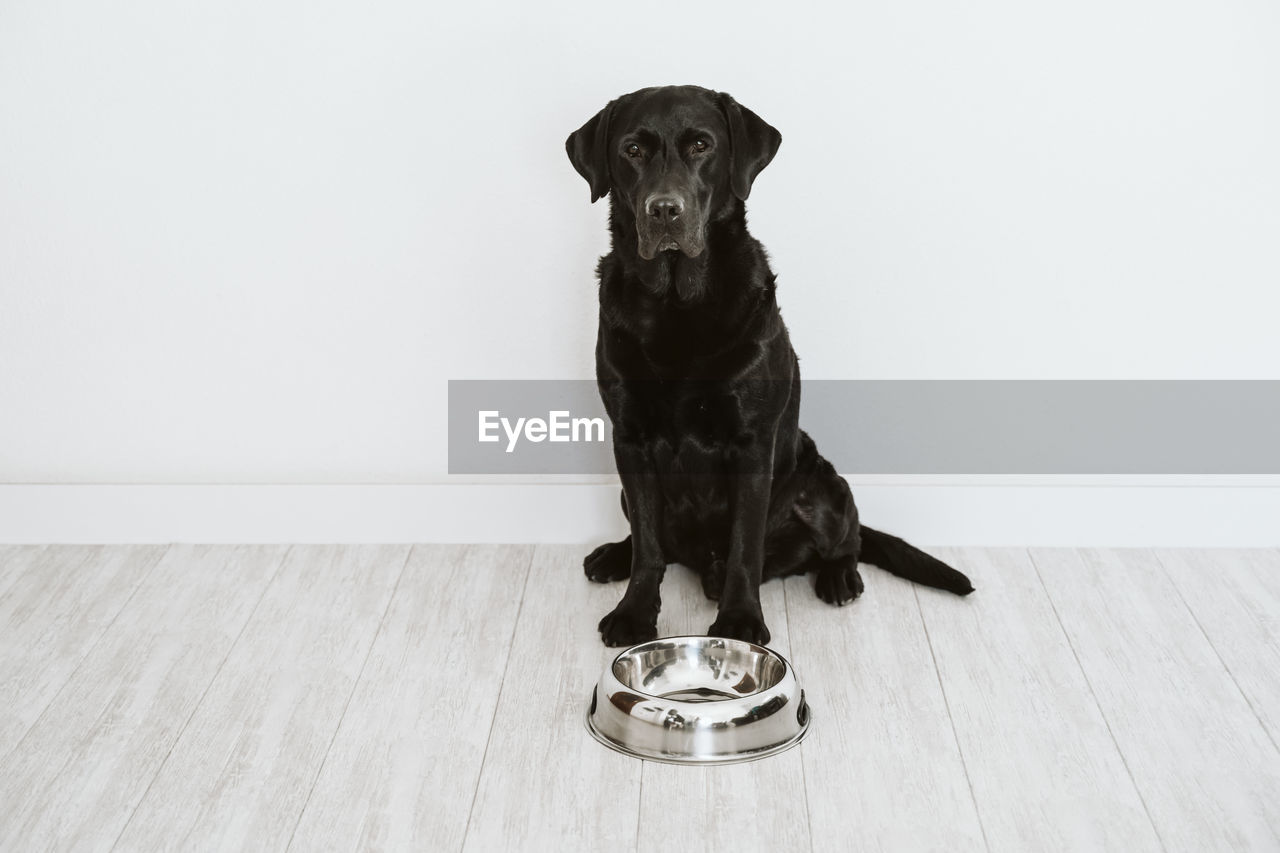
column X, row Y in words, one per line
column 687, row 424
column 676, row 346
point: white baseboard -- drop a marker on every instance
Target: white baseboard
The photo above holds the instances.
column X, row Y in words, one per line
column 931, row 513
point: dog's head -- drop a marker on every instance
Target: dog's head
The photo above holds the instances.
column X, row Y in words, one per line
column 675, row 159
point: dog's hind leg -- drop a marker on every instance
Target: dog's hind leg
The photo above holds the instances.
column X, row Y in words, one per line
column 837, row 580
column 610, row 562
column 836, row 577
column 789, row 550
column 830, row 520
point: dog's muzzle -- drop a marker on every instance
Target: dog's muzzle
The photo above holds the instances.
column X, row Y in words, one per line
column 666, row 223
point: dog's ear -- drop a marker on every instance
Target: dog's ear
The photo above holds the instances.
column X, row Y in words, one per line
column 753, row 142
column 588, row 148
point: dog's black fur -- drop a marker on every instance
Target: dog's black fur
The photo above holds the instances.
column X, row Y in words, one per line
column 700, row 381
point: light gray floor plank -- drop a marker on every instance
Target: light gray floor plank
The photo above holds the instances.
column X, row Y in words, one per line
column 51, row 613
column 238, row 776
column 742, row 807
column 16, row 560
column 1045, row 771
column 402, row 770
column 199, row 695
column 1208, row 773
column 546, row 784
column 81, row 769
column 882, row 768
column 1235, row 597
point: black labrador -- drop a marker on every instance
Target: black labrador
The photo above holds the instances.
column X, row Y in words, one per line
column 700, row 381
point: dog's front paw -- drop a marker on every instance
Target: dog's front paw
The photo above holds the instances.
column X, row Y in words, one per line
column 838, row 582
column 740, row 625
column 609, row 562
column 625, row 626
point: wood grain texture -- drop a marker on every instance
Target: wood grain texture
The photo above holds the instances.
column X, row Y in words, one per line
column 402, row 770
column 83, row 766
column 546, row 784
column 229, row 696
column 741, row 807
column 881, row 768
column 240, row 773
column 52, row 612
column 1025, row 717
column 1235, row 598
column 1208, row 773
column 16, row 560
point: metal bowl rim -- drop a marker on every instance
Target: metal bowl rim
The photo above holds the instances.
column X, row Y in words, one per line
column 788, row 673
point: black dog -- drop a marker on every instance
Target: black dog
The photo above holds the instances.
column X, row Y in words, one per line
column 699, row 378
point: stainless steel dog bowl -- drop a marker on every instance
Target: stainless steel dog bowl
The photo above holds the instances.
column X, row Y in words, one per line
column 698, row 700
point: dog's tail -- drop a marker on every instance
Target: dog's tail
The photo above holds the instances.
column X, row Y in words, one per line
column 907, row 561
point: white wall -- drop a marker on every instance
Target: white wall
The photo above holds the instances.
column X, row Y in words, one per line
column 249, row 242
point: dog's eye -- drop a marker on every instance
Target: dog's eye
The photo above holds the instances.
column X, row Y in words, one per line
column 633, row 150
column 700, row 146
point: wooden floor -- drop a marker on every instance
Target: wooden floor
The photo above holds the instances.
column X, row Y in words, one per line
column 432, row 698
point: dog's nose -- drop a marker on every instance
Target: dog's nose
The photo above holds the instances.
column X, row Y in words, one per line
column 665, row 207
